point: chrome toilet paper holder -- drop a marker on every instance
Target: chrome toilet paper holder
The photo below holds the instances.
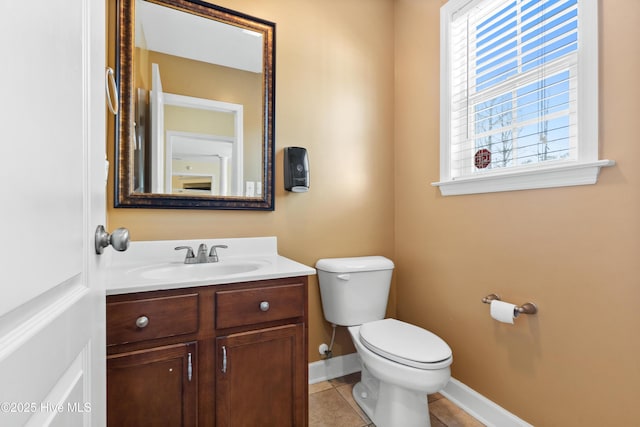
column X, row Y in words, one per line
column 526, row 308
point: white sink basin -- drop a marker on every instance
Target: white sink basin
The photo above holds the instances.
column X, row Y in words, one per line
column 180, row 272
column 156, row 265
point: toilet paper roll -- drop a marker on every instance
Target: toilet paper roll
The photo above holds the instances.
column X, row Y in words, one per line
column 503, row 311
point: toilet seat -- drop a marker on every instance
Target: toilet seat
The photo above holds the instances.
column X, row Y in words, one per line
column 406, row 344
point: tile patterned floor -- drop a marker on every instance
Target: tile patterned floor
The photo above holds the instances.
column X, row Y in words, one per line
column 331, row 405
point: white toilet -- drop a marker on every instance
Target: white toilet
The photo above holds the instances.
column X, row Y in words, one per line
column 401, row 363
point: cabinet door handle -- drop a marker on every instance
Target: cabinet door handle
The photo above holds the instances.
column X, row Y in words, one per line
column 264, row 306
column 224, row 359
column 189, row 368
column 142, row 321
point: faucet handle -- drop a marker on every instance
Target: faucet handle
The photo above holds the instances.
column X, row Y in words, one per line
column 213, row 249
column 213, row 255
column 189, row 251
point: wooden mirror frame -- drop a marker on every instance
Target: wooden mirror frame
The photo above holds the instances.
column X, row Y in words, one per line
column 125, row 197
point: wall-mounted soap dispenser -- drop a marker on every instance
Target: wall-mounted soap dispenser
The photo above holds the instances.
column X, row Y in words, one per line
column 296, row 169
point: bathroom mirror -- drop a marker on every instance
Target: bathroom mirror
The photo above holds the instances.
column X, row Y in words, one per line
column 195, row 127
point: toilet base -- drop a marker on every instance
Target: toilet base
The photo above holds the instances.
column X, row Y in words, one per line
column 388, row 405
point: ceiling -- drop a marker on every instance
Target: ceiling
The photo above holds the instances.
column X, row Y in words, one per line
column 166, row 30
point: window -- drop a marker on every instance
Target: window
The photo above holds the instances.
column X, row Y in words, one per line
column 519, row 95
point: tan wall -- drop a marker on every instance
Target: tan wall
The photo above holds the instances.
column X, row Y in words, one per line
column 573, row 251
column 334, row 96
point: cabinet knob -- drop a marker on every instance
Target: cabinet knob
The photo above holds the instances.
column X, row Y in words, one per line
column 264, row 306
column 142, row 321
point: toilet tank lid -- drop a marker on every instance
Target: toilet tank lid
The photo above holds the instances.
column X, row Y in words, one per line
column 354, row 264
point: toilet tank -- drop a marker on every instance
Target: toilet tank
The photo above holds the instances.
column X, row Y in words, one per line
column 354, row 290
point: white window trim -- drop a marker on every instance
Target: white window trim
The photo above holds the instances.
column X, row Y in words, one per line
column 583, row 171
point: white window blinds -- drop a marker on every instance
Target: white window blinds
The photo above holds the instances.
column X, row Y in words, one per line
column 519, row 95
column 513, row 77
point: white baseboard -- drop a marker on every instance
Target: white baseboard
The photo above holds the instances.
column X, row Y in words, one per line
column 335, row 367
column 479, row 407
column 467, row 399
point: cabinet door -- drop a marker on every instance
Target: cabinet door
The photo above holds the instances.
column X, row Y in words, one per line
column 262, row 378
column 154, row 387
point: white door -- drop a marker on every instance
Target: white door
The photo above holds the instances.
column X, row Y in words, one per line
column 52, row 197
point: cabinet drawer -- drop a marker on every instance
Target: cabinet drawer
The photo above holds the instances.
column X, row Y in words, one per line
column 131, row 321
column 256, row 305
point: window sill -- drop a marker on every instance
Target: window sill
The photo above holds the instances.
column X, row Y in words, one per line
column 553, row 176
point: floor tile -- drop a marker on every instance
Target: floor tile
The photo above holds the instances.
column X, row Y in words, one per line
column 321, row 386
column 328, row 409
column 347, row 379
column 433, row 397
column 435, row 422
column 346, row 391
column 452, row 416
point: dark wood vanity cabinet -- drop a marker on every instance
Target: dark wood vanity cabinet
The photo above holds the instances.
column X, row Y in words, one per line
column 154, row 387
column 260, row 377
column 223, row 355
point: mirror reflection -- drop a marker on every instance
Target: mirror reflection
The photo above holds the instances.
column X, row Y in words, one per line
column 201, row 107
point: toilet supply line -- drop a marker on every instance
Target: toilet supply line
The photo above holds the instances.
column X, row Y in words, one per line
column 327, row 350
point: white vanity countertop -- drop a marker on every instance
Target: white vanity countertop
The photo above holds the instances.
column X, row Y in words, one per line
column 124, row 272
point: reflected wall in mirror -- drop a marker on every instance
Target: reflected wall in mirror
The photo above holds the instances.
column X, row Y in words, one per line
column 196, row 122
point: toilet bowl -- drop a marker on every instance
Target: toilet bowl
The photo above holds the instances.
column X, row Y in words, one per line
column 392, row 392
column 401, row 363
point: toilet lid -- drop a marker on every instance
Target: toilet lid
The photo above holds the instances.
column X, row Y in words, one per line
column 406, row 344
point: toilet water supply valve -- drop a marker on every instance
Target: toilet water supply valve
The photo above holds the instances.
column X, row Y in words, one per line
column 324, row 349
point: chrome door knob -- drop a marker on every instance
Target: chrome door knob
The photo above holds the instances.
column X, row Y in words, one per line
column 119, row 239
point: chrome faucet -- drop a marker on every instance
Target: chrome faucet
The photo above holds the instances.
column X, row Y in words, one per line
column 202, row 256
